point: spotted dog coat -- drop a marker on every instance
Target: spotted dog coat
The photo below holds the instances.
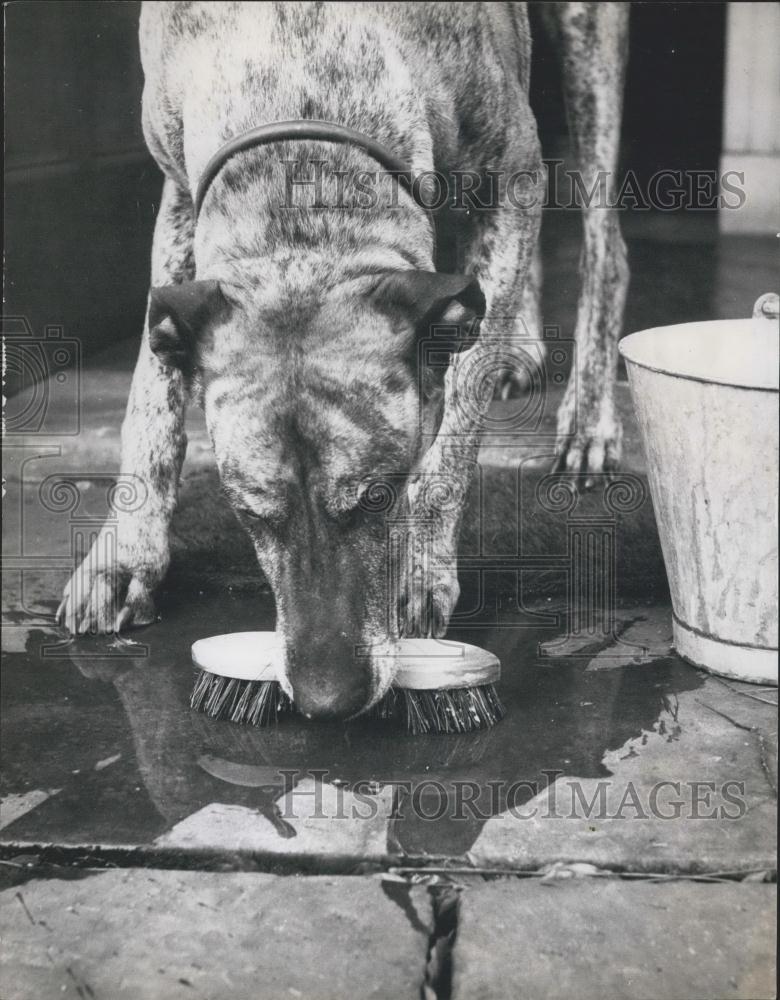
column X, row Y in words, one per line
column 298, row 326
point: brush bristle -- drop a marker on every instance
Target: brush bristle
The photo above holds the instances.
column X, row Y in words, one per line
column 450, row 710
column 256, row 703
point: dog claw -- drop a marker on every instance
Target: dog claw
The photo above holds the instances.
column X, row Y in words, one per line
column 592, row 452
column 122, row 619
column 104, row 596
column 595, row 458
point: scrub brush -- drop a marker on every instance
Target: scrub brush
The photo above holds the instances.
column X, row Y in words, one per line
column 439, row 686
column 237, row 678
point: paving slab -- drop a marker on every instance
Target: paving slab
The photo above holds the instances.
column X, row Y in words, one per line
column 137, row 934
column 695, row 791
column 608, row 940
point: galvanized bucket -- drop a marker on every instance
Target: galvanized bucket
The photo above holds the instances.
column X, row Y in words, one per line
column 706, row 397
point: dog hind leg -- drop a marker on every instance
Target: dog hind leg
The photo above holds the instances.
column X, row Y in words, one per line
column 592, row 41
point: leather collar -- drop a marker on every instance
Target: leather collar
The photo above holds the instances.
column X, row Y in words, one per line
column 312, row 129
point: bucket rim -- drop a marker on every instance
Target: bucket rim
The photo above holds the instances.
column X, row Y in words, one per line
column 625, row 345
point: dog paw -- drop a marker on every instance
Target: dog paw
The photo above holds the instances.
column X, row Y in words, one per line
column 105, row 594
column 587, row 443
column 425, row 611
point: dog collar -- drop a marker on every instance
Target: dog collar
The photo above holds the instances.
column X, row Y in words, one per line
column 323, row 131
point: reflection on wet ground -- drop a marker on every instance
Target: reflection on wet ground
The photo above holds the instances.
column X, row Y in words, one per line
column 102, row 731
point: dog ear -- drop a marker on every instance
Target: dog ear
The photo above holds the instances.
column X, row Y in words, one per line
column 454, row 302
column 177, row 314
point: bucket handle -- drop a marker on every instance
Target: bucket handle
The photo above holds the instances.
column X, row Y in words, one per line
column 767, row 306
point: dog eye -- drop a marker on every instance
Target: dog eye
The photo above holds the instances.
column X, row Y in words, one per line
column 249, row 515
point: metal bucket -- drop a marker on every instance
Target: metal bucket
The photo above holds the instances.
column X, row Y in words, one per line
column 706, row 397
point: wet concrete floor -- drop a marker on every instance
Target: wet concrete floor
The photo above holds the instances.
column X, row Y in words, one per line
column 101, row 729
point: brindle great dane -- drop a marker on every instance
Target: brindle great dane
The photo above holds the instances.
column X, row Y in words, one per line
column 298, row 325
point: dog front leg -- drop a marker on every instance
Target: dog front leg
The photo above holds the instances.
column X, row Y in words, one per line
column 592, row 39
column 114, row 584
column 500, row 258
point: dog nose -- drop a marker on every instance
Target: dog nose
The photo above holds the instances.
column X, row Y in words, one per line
column 327, row 705
column 329, row 680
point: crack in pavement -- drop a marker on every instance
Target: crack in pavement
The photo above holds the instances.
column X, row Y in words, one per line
column 445, row 903
column 763, row 756
column 764, row 761
column 30, row 917
column 723, row 715
column 741, row 693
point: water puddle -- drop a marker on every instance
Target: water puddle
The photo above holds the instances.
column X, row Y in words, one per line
column 108, row 725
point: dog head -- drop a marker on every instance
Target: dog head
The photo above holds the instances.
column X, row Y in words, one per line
column 312, row 400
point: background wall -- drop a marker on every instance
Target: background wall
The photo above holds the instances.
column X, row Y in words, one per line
column 81, row 192
column 751, row 141
column 674, row 89
column 80, row 189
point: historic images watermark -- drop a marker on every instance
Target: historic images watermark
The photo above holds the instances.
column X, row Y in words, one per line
column 40, row 419
column 49, row 366
column 316, row 184
column 463, row 800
